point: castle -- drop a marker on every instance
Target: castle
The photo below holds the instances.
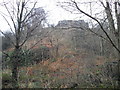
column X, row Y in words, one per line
column 72, row 23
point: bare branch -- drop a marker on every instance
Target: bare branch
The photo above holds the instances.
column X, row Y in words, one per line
column 18, row 10
column 7, row 37
column 10, row 16
column 8, row 24
column 110, row 17
column 39, row 40
column 102, row 3
column 5, row 54
column 29, row 12
column 117, row 16
column 31, row 32
column 99, row 25
column 89, row 30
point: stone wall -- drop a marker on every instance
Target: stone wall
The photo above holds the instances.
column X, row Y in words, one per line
column 72, row 23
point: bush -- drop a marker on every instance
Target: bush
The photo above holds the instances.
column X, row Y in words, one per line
column 6, row 80
column 6, row 62
column 40, row 54
column 105, row 76
column 25, row 59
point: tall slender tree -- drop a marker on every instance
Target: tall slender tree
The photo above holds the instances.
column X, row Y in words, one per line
column 19, row 16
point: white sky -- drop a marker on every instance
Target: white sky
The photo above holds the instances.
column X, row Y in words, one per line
column 55, row 13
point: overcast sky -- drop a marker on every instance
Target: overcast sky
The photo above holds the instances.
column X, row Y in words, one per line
column 55, row 13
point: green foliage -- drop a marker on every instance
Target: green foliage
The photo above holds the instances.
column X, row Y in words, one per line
column 25, row 58
column 41, row 53
column 6, row 79
column 6, row 61
column 42, row 47
column 53, row 60
column 37, row 85
column 6, row 76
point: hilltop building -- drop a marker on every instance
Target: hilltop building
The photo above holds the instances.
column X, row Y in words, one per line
column 72, row 23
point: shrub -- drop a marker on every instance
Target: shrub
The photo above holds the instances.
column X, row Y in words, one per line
column 6, row 80
column 40, row 54
column 25, row 59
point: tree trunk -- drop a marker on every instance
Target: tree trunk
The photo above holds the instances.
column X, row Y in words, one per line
column 118, row 39
column 101, row 47
column 119, row 63
column 118, row 73
column 15, row 76
column 15, row 65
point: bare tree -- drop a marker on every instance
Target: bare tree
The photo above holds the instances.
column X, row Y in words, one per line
column 112, row 17
column 22, row 28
